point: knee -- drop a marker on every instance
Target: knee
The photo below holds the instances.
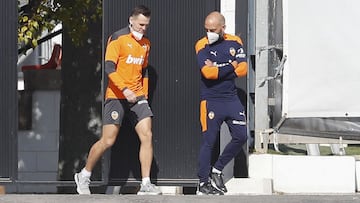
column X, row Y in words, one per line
column 146, row 136
column 240, row 139
column 107, row 143
column 244, row 138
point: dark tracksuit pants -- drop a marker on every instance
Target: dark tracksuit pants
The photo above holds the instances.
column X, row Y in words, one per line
column 212, row 115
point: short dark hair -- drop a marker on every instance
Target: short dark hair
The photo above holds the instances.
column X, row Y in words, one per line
column 141, row 9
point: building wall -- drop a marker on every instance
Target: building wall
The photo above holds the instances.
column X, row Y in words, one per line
column 38, row 148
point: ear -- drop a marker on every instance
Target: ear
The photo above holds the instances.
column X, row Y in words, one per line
column 130, row 20
column 223, row 29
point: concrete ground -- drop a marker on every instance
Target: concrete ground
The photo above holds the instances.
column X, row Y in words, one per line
column 28, row 198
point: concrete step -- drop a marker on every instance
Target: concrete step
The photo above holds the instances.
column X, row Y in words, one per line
column 305, row 174
column 254, row 186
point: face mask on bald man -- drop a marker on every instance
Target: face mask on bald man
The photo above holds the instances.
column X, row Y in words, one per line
column 212, row 37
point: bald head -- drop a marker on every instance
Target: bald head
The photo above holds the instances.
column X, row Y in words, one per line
column 215, row 17
column 215, row 22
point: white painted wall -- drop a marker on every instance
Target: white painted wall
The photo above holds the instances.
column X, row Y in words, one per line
column 227, row 8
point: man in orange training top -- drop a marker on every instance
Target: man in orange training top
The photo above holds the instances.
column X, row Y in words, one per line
column 126, row 60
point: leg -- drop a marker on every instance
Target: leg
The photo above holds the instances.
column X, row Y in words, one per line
column 239, row 137
column 141, row 116
column 237, row 126
column 208, row 141
column 238, row 131
column 109, row 134
column 238, row 134
column 112, row 118
column 107, row 139
column 211, row 121
column 143, row 129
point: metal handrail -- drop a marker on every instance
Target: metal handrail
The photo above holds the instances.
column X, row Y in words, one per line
column 44, row 39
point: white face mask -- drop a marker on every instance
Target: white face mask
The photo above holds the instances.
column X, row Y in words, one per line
column 212, row 37
column 138, row 36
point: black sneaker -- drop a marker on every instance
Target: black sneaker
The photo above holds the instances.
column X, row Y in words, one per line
column 218, row 182
column 208, row 189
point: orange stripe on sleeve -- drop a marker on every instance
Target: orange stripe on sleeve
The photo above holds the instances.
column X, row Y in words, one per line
column 203, row 114
column 234, row 38
column 210, row 72
column 200, row 44
column 241, row 69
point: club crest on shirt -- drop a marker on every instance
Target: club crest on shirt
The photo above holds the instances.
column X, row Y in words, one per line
column 114, row 115
column 145, row 47
column 211, row 115
column 232, row 51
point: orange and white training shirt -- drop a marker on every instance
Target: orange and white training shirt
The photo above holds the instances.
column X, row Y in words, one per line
column 126, row 60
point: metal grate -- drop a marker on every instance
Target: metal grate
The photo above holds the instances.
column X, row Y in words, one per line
column 8, row 90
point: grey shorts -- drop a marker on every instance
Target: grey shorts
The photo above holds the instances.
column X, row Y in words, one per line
column 116, row 109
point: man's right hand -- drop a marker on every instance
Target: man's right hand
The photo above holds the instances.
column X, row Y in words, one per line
column 130, row 95
column 208, row 62
column 234, row 63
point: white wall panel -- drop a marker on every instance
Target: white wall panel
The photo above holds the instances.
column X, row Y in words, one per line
column 321, row 75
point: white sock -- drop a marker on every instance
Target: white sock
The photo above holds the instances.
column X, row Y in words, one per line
column 85, row 173
column 145, row 180
column 214, row 170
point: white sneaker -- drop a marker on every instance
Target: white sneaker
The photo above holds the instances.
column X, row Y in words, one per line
column 82, row 184
column 149, row 189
